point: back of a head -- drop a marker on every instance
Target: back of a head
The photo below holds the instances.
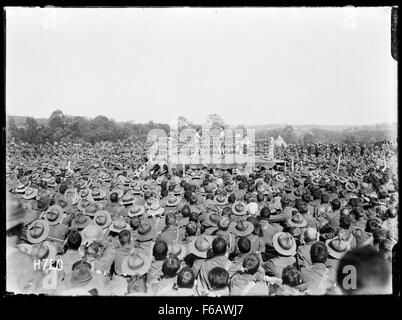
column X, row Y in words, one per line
column 193, row 199
column 186, row 278
column 218, row 278
column 185, row 211
column 317, row 194
column 244, row 244
column 170, row 267
column 191, row 229
column 291, row 276
column 232, row 198
column 219, row 246
column 74, row 240
column 160, row 250
column 194, row 216
column 318, row 252
column 251, row 263
column 114, row 197
column 324, row 198
column 371, row 272
column 345, row 221
column 336, row 204
column 302, row 207
column 265, row 213
column 187, row 195
column 124, row 237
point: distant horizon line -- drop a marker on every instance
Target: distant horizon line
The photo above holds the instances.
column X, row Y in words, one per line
column 231, row 125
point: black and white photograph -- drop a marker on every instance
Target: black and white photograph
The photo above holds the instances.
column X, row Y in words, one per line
column 201, row 152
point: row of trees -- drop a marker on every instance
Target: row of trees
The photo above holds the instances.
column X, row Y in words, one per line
column 318, row 135
column 64, row 128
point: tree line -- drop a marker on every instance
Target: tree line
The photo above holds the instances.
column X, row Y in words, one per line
column 76, row 129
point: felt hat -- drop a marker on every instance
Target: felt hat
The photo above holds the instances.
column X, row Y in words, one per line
column 54, row 215
column 118, row 225
column 297, row 221
column 146, row 231
column 80, row 221
column 337, row 247
column 102, row 219
column 137, row 262
column 30, row 193
column 135, row 211
column 239, row 208
column 284, row 243
column 38, row 231
column 172, row 200
column 91, row 233
column 241, row 228
column 200, row 245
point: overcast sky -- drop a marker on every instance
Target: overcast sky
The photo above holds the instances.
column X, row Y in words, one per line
column 250, row 65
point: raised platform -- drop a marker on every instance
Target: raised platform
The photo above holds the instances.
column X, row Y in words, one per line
column 225, row 164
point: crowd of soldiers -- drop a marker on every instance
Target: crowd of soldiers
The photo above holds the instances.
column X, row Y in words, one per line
column 106, row 220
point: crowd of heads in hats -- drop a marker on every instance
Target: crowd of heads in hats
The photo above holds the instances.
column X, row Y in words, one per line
column 109, row 221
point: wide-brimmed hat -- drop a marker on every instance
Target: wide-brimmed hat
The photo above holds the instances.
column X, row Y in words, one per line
column 280, row 177
column 54, row 215
column 68, row 174
column 146, row 231
column 241, row 228
column 342, row 179
column 178, row 189
column 43, row 251
column 212, row 219
column 261, row 189
column 172, row 200
column 97, row 193
column 316, row 180
column 102, row 219
column 358, row 174
column 229, row 188
column 136, row 187
column 200, row 245
column 51, row 182
column 118, row 225
column 80, row 221
column 337, row 247
column 30, row 193
column 64, row 203
column 83, row 184
column 137, row 262
column 155, row 209
column 91, row 233
column 284, row 243
column 178, row 250
column 73, row 195
column 85, row 193
column 92, row 209
column 38, row 231
column 297, row 221
column 81, row 274
column 83, row 204
column 135, row 210
column 350, row 187
column 239, row 208
column 20, row 188
column 221, row 200
column 127, row 199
